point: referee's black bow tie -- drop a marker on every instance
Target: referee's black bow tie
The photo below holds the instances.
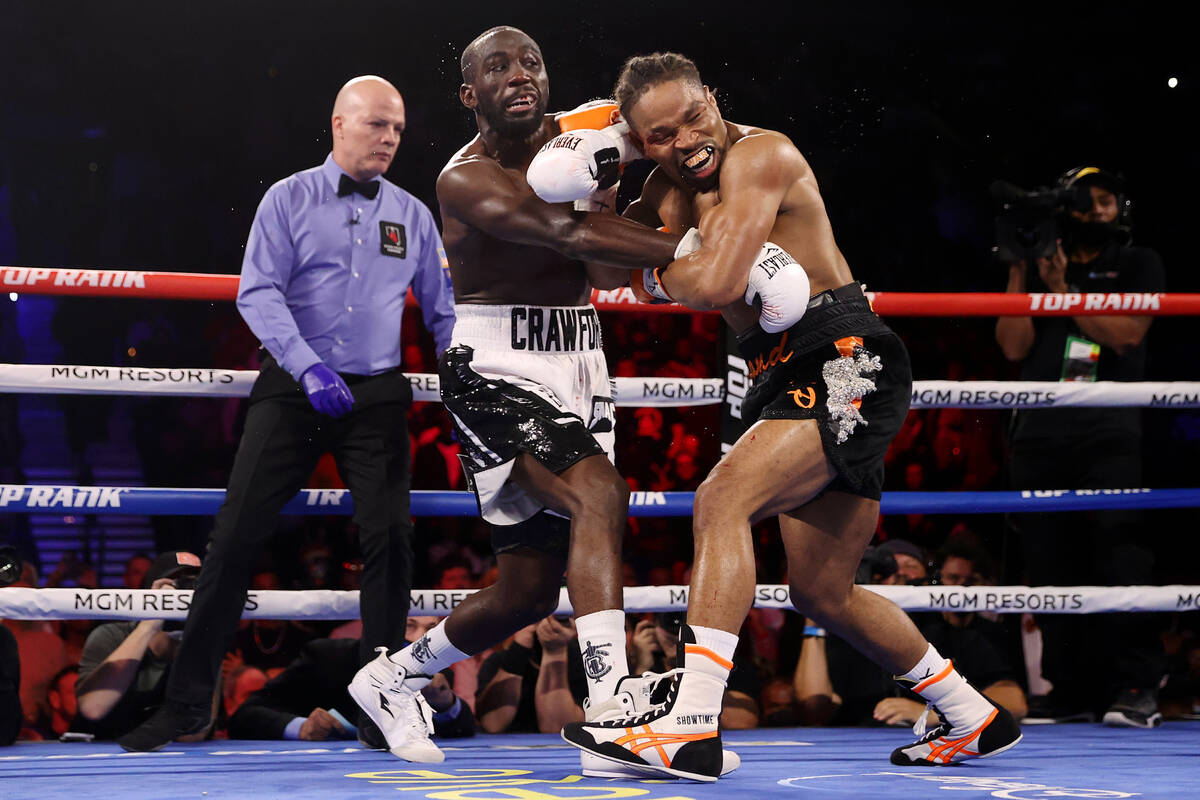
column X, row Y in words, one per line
column 347, row 185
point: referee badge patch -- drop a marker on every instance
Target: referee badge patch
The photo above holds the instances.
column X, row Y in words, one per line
column 392, row 241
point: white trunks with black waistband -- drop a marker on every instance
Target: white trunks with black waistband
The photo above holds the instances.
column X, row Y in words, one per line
column 525, row 379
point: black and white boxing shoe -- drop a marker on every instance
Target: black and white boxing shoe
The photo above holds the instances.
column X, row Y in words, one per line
column 636, row 695
column 679, row 737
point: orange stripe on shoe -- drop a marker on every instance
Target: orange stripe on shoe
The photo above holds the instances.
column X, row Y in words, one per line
column 652, row 739
column 920, row 687
column 695, row 649
column 661, row 753
column 636, row 749
column 953, row 747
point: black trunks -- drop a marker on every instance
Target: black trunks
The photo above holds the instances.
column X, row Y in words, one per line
column 842, row 366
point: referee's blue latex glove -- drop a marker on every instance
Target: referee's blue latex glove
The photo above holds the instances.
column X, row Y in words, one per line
column 326, row 390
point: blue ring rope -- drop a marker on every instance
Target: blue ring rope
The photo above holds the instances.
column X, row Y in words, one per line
column 141, row 501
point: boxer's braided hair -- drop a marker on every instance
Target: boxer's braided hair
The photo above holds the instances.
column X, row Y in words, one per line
column 642, row 72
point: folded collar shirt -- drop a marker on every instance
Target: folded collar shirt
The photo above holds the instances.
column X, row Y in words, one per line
column 324, row 278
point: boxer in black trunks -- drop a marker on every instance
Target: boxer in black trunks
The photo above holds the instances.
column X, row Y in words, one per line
column 831, row 389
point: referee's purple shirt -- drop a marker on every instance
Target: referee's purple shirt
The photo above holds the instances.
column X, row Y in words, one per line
column 317, row 285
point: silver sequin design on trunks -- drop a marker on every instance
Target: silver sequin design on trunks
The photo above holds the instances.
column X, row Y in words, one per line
column 849, row 378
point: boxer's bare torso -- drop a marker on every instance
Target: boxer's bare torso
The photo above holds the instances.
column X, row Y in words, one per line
column 492, row 270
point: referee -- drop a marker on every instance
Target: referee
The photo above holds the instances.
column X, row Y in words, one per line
column 330, row 258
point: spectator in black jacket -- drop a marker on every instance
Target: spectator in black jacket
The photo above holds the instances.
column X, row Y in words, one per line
column 10, row 684
column 309, row 701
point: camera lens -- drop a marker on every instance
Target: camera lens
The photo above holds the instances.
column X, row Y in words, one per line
column 10, row 565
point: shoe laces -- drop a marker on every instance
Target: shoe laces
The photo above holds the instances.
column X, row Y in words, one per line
column 619, row 705
column 656, row 710
column 423, row 723
column 625, row 702
column 919, row 728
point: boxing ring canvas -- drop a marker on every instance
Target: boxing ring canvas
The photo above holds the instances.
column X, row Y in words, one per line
column 1089, row 761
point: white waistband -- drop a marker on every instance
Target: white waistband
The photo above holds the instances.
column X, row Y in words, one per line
column 535, row 329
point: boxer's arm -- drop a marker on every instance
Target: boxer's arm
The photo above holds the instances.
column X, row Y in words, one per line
column 482, row 195
column 602, row 276
column 644, row 211
column 754, row 180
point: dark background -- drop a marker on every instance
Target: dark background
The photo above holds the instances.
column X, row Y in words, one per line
column 173, row 118
column 142, row 135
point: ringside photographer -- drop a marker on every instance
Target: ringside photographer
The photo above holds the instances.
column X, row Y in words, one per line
column 124, row 667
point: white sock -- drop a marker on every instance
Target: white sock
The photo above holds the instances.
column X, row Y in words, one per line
column 936, row 680
column 711, row 654
column 427, row 656
column 602, row 644
column 930, row 665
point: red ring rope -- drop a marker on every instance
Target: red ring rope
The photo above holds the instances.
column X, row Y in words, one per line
column 200, row 286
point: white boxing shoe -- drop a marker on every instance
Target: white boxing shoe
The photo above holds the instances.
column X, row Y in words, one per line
column 636, row 696
column 400, row 711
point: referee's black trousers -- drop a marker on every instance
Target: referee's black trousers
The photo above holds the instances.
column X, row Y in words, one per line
column 282, row 441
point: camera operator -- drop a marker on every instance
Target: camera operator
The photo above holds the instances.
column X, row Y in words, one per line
column 124, row 667
column 1094, row 662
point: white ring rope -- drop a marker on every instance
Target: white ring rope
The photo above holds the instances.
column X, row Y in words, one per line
column 74, row 379
column 662, row 392
column 40, row 604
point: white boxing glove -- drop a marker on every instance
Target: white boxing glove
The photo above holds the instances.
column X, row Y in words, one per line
column 586, row 158
column 650, row 289
column 601, row 115
column 781, row 285
column 690, row 243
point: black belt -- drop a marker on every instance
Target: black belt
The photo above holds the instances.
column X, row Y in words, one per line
column 830, row 315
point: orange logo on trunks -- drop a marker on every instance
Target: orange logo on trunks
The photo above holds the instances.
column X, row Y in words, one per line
column 758, row 365
column 845, row 346
column 805, row 398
